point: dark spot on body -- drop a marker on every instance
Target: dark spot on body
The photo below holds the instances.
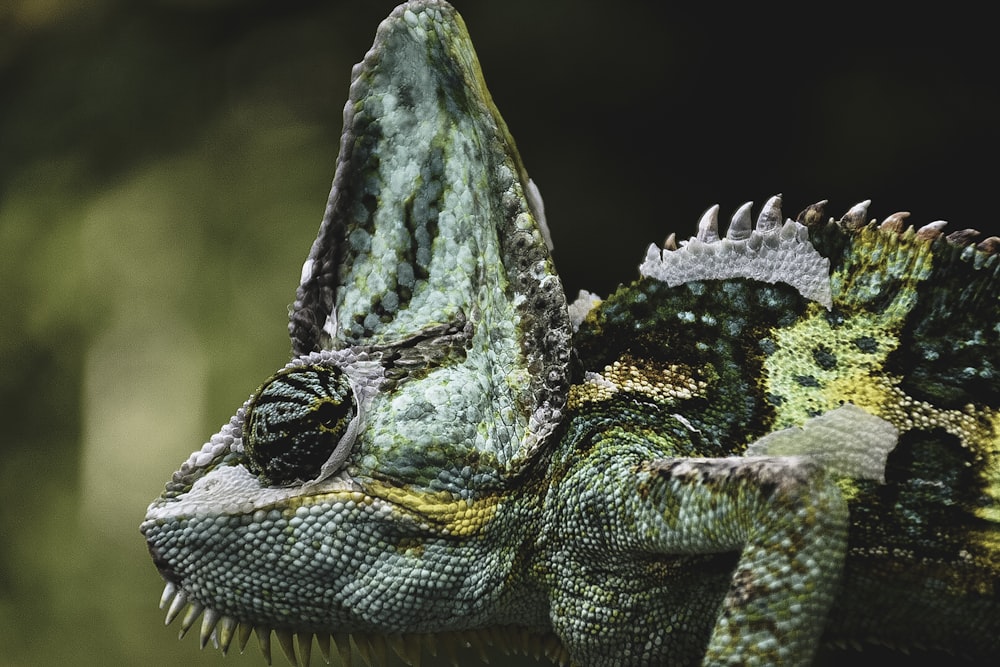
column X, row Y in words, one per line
column 806, row 381
column 824, row 357
column 866, row 344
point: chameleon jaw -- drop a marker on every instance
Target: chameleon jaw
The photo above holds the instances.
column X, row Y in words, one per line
column 221, row 630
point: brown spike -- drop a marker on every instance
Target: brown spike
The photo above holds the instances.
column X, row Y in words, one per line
column 857, row 216
column 671, row 242
column 931, row 231
column 895, row 222
column 990, row 245
column 814, row 214
column 963, row 237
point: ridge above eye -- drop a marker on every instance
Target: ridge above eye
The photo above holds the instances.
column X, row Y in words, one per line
column 296, row 423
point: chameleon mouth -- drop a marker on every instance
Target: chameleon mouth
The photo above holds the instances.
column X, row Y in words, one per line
column 221, row 630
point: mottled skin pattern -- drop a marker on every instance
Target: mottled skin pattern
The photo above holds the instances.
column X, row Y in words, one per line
column 771, row 441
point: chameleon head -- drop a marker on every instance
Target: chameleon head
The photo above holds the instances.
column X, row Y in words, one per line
column 278, row 522
column 358, row 489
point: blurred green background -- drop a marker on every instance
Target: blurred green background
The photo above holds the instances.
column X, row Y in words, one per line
column 164, row 166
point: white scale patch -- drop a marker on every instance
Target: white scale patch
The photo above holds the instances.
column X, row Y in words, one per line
column 782, row 255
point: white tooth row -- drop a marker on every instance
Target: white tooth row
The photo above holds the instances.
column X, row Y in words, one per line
column 372, row 649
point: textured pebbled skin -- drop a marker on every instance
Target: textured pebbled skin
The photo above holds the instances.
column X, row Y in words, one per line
column 780, row 436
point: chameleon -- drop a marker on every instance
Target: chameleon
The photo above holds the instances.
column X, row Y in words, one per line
column 781, row 437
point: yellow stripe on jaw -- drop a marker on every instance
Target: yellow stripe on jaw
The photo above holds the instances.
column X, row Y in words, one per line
column 440, row 509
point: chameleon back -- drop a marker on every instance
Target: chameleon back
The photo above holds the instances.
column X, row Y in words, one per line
column 911, row 336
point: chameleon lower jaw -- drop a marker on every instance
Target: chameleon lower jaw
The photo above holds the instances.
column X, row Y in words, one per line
column 221, row 631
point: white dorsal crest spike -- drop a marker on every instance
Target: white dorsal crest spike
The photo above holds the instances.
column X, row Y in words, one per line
column 783, row 254
column 739, row 226
column 708, row 226
column 770, row 215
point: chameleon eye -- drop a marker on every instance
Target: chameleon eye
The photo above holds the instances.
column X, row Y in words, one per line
column 295, row 422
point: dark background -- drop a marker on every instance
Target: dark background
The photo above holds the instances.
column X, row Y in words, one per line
column 164, row 166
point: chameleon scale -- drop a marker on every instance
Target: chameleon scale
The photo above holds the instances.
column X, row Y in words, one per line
column 781, row 436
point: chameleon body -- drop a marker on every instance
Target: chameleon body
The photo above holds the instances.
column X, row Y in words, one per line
column 774, row 439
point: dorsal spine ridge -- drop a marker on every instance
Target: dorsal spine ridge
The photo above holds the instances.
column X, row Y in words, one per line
column 771, row 252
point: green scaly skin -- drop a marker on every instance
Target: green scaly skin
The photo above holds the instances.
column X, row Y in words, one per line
column 771, row 441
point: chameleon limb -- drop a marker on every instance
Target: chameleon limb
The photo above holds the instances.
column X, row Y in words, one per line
column 783, row 517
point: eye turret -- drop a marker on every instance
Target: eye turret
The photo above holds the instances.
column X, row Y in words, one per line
column 295, row 422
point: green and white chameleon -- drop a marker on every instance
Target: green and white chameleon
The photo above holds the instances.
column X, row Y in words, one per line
column 774, row 440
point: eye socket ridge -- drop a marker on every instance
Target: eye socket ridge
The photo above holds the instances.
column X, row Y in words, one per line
column 300, row 425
